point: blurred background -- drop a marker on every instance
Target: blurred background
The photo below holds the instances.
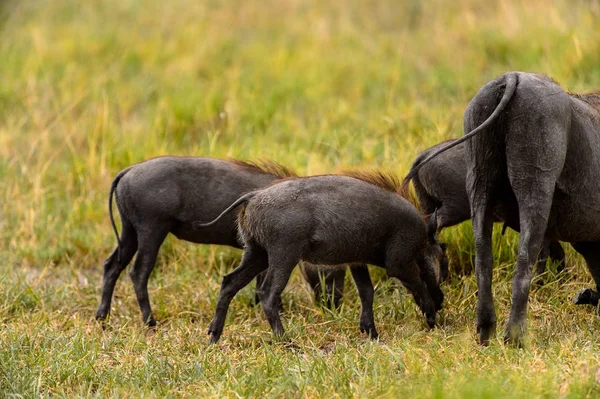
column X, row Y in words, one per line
column 88, row 88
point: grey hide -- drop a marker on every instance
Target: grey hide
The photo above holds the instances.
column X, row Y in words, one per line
column 536, row 158
column 165, row 195
column 440, row 187
column 331, row 220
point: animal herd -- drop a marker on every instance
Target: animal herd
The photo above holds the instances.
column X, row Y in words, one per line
column 530, row 158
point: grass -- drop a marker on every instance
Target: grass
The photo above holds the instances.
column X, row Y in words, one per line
column 88, row 88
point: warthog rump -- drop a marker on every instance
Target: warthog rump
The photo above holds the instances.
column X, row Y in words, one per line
column 532, row 151
column 440, row 187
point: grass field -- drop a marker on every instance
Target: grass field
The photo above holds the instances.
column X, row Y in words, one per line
column 88, row 88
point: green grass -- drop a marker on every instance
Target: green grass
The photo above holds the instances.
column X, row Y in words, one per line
column 87, row 88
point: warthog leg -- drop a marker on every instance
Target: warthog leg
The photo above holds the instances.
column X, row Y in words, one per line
column 282, row 262
column 149, row 242
column 486, row 313
column 591, row 253
column 533, row 184
column 362, row 279
column 254, row 261
column 113, row 268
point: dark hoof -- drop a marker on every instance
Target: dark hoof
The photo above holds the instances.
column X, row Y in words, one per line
column 103, row 321
column 485, row 333
column 431, row 321
column 214, row 338
column 370, row 331
column 151, row 322
column 101, row 317
column 214, row 334
column 586, row 297
column 279, row 332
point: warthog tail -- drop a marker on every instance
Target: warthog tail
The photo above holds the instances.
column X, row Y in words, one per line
column 113, row 187
column 511, row 85
column 242, row 200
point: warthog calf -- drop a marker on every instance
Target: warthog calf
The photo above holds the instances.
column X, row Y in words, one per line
column 332, row 220
column 166, row 195
column 440, row 186
column 533, row 152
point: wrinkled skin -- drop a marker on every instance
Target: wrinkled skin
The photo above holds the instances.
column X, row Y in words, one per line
column 331, row 220
column 165, row 195
column 440, row 187
column 539, row 163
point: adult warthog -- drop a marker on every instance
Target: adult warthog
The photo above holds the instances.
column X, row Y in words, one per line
column 533, row 152
column 440, row 187
column 166, row 195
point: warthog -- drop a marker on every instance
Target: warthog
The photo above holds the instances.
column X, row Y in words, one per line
column 440, row 187
column 332, row 220
column 536, row 158
column 166, row 195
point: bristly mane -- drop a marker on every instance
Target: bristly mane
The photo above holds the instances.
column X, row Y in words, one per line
column 591, row 98
column 387, row 181
column 265, row 166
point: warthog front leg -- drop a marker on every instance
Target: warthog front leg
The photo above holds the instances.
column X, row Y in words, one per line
column 362, row 279
column 253, row 262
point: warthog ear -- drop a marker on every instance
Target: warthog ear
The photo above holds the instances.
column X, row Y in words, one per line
column 432, row 227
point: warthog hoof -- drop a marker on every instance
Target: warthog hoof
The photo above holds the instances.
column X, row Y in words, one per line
column 370, row 330
column 151, row 322
column 430, row 320
column 214, row 333
column 587, row 297
column 485, row 333
column 102, row 319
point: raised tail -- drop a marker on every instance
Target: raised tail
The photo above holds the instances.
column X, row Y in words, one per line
column 511, row 85
column 242, row 200
column 113, row 187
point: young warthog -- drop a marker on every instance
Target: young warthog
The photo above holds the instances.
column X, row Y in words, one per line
column 331, row 220
column 440, row 186
column 165, row 195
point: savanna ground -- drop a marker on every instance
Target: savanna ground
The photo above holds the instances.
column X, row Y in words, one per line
column 88, row 88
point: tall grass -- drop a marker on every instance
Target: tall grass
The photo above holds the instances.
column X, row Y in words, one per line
column 87, row 88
